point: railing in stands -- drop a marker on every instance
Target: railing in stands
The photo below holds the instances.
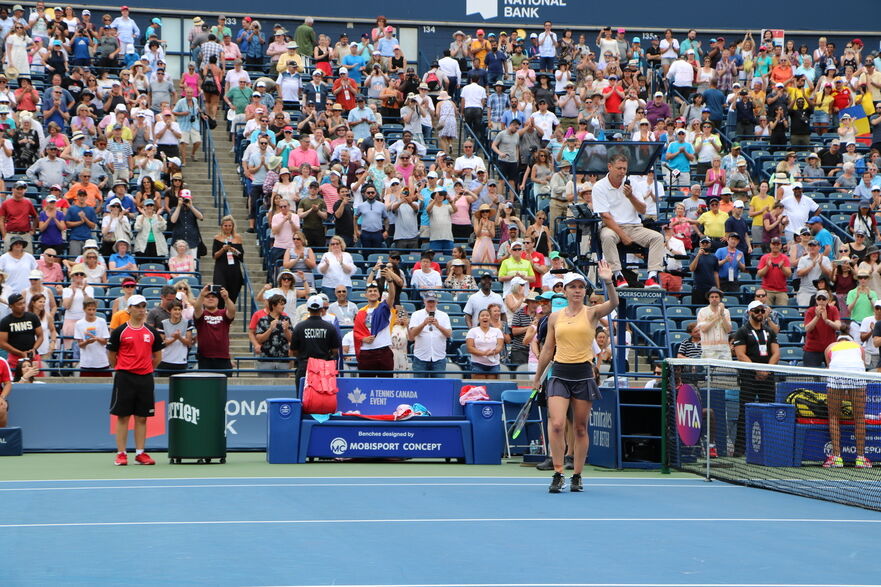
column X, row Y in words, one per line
column 245, row 302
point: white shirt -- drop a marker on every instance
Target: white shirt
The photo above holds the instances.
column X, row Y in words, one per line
column 545, row 122
column 335, row 275
column 345, row 315
column 547, row 42
column 164, row 134
column 681, row 73
column 485, row 341
column 423, row 280
column 450, row 67
column 431, row 343
column 798, row 212
column 18, row 270
column 473, row 162
column 609, row 199
column 669, row 49
column 473, row 96
column 478, row 301
column 649, row 194
column 867, row 325
column 93, row 356
column 7, row 166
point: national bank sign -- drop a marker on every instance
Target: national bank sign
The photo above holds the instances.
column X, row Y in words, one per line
column 489, row 9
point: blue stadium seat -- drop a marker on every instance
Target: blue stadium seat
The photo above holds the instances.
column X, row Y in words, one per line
column 792, row 355
column 152, row 280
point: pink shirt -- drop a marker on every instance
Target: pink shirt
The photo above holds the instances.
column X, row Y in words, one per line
column 298, row 156
column 284, row 238
column 461, row 212
column 330, row 194
column 51, row 273
column 405, row 171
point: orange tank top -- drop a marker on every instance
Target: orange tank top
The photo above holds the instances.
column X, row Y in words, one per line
column 574, row 337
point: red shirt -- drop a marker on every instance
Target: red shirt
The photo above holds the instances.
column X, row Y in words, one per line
column 537, row 259
column 5, row 371
column 134, row 348
column 613, row 103
column 252, row 325
column 774, row 279
column 18, row 214
column 346, row 98
column 822, row 335
column 212, row 328
column 841, row 100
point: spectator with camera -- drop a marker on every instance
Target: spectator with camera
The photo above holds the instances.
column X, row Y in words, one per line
column 212, row 328
column 429, row 330
column 775, row 269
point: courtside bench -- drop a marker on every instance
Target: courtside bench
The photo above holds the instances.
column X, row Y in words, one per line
column 470, row 433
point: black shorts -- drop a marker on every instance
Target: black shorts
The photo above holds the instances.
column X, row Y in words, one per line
column 584, row 387
column 132, row 395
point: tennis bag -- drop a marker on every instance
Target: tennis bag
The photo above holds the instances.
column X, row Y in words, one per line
column 813, row 404
column 319, row 393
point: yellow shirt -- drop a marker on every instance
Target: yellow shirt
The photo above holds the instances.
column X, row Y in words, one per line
column 510, row 265
column 574, row 337
column 760, row 204
column 795, row 93
column 283, row 59
column 714, row 224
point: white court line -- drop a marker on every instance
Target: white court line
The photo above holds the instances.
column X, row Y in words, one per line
column 705, row 584
column 439, row 521
column 338, row 477
column 344, row 485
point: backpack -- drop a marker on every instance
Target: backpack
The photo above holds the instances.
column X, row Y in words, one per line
column 433, row 81
column 813, row 404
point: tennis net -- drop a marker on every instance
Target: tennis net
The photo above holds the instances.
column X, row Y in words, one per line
column 769, row 426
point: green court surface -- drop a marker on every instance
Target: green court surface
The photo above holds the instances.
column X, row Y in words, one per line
column 52, row 466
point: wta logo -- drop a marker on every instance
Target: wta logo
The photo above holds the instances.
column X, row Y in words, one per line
column 688, row 414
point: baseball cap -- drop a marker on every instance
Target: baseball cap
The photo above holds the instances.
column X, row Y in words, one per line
column 14, row 298
column 822, row 294
column 315, row 303
column 572, row 277
column 136, row 300
column 554, row 255
column 814, row 219
column 429, row 295
column 738, row 204
column 754, row 304
column 877, row 304
column 186, row 194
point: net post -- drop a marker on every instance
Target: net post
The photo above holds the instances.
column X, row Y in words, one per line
column 708, row 409
column 665, row 397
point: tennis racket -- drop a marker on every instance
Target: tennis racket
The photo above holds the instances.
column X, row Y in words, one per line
column 522, row 415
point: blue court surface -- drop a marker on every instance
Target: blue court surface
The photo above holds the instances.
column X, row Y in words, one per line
column 428, row 531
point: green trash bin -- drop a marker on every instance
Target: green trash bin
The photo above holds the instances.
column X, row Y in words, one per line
column 197, row 417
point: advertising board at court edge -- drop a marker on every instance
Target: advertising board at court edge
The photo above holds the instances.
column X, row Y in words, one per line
column 523, row 9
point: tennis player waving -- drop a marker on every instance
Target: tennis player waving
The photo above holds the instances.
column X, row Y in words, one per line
column 569, row 341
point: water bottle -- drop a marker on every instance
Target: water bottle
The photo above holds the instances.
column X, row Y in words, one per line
column 533, row 447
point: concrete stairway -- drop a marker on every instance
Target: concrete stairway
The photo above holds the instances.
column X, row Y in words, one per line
column 197, row 179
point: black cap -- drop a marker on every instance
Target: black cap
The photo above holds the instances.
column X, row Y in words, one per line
column 16, row 297
column 487, row 274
